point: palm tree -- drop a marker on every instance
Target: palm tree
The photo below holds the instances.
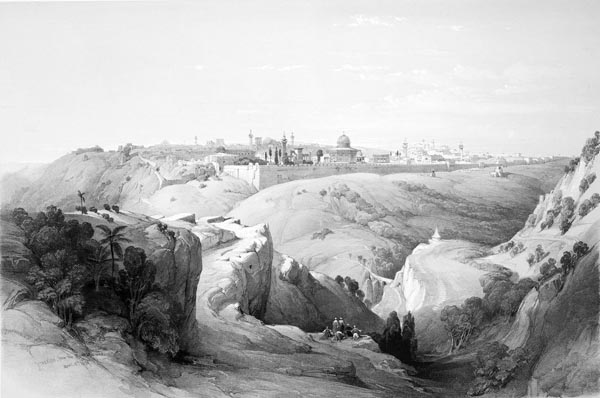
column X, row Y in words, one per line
column 113, row 238
column 96, row 264
column 319, row 155
column 81, row 198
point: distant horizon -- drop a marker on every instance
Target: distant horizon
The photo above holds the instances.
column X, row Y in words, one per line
column 500, row 77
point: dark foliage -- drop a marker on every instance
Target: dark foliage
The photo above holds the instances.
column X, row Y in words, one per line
column 495, row 366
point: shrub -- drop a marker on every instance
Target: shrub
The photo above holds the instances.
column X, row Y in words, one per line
column 580, row 249
column 339, row 279
column 531, row 220
column 115, row 208
column 573, row 163
column 585, row 207
column 322, row 192
column 155, row 323
column 539, row 253
column 548, row 269
column 106, row 207
column 82, row 209
column 595, row 199
column 530, row 259
column 565, row 224
column 495, row 366
column 590, row 149
column 58, row 281
column 360, row 294
column 352, row 285
column 584, row 185
column 460, row 322
column 94, row 210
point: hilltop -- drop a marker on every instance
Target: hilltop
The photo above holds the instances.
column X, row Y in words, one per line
column 155, row 180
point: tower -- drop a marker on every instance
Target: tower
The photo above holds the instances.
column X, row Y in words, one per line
column 292, row 139
column 405, row 148
column 250, row 137
column 196, row 140
column 284, row 157
column 462, row 153
column 435, row 237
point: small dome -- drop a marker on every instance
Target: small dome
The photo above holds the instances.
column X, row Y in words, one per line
column 343, row 141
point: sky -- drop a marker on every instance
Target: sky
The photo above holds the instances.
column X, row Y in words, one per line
column 499, row 76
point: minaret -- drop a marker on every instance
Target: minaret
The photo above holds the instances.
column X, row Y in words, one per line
column 462, row 153
column 284, row 157
column 292, row 139
column 250, row 137
column 435, row 237
column 405, row 148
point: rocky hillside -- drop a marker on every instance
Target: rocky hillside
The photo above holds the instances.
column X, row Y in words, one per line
column 364, row 226
column 554, row 324
column 144, row 180
column 238, row 299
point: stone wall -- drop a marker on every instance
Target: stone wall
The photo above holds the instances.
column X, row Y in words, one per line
column 262, row 177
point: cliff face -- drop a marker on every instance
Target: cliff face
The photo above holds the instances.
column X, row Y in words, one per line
column 310, row 300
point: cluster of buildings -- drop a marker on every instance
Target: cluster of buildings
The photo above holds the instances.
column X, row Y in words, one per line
column 269, row 151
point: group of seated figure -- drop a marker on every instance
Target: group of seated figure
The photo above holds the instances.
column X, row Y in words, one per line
column 340, row 331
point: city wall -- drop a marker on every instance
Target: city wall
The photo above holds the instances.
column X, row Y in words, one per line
column 262, row 177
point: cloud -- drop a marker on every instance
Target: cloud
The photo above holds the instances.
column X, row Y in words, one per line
column 360, row 68
column 288, row 68
column 263, row 67
column 284, row 68
column 199, row 67
column 454, row 28
column 361, row 20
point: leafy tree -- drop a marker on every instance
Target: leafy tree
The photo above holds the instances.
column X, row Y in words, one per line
column 113, row 238
column 566, row 262
column 339, row 279
column 595, row 199
column 539, row 253
column 530, row 259
column 58, row 281
column 81, row 199
column 98, row 264
column 460, row 322
column 137, row 278
column 155, row 322
column 319, row 155
column 360, row 294
column 495, row 366
column 585, row 207
column 580, row 249
column 352, row 285
column 106, row 207
column 116, row 208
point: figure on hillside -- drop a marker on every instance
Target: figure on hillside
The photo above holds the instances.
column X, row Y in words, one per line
column 336, row 325
column 327, row 333
column 342, row 325
column 355, row 333
column 433, row 173
column 339, row 336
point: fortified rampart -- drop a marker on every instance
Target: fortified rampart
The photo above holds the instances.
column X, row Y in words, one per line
column 263, row 176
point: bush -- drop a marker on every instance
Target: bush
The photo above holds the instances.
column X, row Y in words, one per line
column 155, row 323
column 591, row 148
column 82, row 209
column 585, row 207
column 580, row 249
column 548, row 269
column 595, row 199
column 352, row 285
column 461, row 322
column 339, row 279
column 565, row 224
column 115, row 208
column 106, row 207
column 495, row 366
column 322, row 192
column 573, row 163
column 584, row 185
column 94, row 210
column 530, row 259
column 539, row 253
